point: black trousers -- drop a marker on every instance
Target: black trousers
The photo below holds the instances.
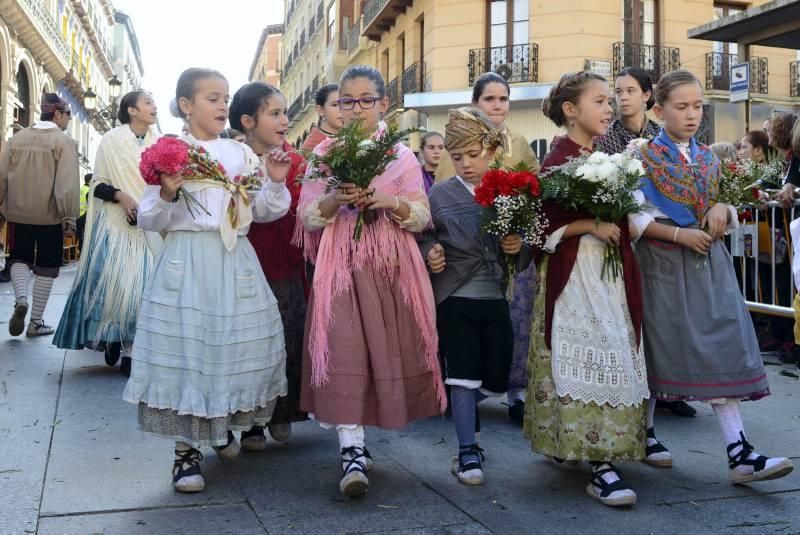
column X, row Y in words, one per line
column 40, row 247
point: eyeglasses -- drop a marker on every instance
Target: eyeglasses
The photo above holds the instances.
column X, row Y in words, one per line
column 365, row 103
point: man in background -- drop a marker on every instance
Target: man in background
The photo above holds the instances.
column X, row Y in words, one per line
column 39, row 188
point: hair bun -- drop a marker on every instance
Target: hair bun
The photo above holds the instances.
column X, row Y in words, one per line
column 174, row 109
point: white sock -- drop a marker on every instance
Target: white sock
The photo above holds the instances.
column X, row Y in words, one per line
column 41, row 293
column 515, row 394
column 651, row 411
column 608, row 477
column 20, row 278
column 349, row 436
column 127, row 349
column 730, row 422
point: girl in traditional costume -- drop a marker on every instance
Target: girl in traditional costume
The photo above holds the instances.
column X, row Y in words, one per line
column 371, row 344
column 475, row 335
column 326, row 102
column 209, row 355
column 633, row 90
column 582, row 321
column 259, row 110
column 117, row 257
column 698, row 336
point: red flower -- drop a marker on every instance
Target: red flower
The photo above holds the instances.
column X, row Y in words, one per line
column 168, row 156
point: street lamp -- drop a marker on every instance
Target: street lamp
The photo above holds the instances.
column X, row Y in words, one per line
column 110, row 111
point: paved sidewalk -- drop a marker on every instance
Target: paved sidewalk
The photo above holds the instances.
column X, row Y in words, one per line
column 74, row 462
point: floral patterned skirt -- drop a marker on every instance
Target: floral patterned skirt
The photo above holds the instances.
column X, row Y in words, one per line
column 571, row 429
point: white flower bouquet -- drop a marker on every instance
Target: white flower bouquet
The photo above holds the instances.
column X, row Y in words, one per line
column 601, row 185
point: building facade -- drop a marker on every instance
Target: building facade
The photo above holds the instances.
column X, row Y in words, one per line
column 266, row 65
column 315, row 43
column 431, row 51
column 127, row 56
column 55, row 46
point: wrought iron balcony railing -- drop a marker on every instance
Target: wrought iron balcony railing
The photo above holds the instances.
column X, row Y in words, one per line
column 517, row 63
column 718, row 72
column 295, row 108
column 794, row 78
column 656, row 59
column 394, row 92
column 314, row 87
column 414, row 78
column 354, row 37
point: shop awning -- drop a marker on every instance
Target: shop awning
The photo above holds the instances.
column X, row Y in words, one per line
column 775, row 24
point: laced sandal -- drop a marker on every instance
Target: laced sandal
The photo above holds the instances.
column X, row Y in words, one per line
column 230, row 451
column 616, row 494
column 254, row 439
column 657, row 454
column 763, row 468
column 470, row 472
column 189, row 479
column 562, row 464
column 38, row 328
column 17, row 322
column 354, row 481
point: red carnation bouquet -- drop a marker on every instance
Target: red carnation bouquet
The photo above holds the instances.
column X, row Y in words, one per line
column 173, row 156
column 512, row 204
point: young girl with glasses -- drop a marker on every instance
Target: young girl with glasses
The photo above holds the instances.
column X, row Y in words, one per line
column 371, row 344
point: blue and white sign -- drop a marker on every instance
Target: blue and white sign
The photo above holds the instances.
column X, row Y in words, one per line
column 740, row 82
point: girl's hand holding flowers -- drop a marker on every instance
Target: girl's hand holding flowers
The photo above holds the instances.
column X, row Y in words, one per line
column 716, row 220
column 609, row 233
column 347, row 193
column 694, row 239
column 511, row 244
column 436, row 261
column 170, row 184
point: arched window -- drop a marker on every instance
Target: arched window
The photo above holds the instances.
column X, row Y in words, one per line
column 22, row 105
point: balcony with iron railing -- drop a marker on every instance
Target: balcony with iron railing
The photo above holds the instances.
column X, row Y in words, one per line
column 394, row 92
column 794, row 79
column 320, row 13
column 295, row 108
column 718, row 72
column 302, row 40
column 656, row 59
column 354, row 37
column 379, row 15
column 314, row 87
column 414, row 78
column 517, row 63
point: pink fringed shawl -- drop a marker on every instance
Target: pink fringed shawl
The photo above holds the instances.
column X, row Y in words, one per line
column 384, row 247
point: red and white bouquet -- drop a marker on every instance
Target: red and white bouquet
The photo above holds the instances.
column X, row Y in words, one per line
column 512, row 204
column 173, row 156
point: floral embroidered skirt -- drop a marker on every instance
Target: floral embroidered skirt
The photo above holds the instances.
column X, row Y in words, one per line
column 571, row 429
column 209, row 353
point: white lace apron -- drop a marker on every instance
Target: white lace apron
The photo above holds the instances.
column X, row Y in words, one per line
column 594, row 346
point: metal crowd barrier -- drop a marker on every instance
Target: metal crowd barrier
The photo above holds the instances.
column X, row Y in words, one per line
column 763, row 244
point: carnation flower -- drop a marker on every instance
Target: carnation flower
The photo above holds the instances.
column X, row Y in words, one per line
column 635, row 167
column 597, row 158
column 587, row 172
column 606, row 170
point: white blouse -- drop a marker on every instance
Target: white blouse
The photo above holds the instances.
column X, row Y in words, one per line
column 270, row 203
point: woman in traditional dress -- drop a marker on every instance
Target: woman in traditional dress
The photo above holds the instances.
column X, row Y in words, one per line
column 117, row 257
column 259, row 110
column 209, row 357
column 588, row 387
column 371, row 346
column 698, row 337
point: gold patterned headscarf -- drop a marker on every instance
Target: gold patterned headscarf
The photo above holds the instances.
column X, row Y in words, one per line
column 467, row 126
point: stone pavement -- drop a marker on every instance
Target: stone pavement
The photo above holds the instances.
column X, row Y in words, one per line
column 74, row 462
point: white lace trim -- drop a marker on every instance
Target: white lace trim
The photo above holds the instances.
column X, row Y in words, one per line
column 594, row 346
column 312, row 217
column 418, row 216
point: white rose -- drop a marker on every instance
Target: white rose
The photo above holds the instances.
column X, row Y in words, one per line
column 635, row 167
column 606, row 170
column 597, row 158
column 364, row 146
column 587, row 172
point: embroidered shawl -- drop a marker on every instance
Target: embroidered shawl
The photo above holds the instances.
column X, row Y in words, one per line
column 683, row 190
